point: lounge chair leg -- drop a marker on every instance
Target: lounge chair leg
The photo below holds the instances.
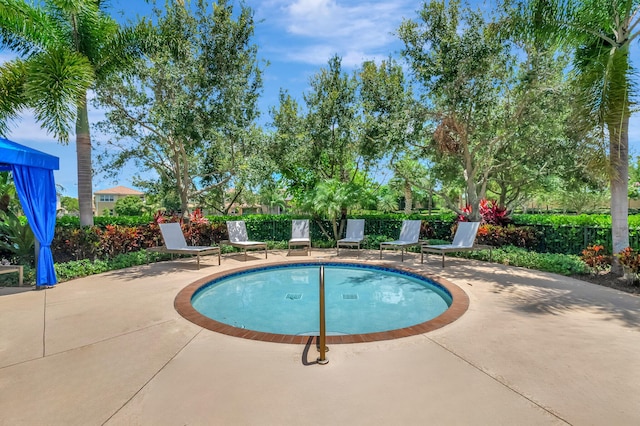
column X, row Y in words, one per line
column 219, row 256
column 443, row 259
column 380, row 251
column 402, row 255
column 198, row 260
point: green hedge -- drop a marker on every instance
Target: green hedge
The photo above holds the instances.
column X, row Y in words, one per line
column 600, row 220
column 567, row 234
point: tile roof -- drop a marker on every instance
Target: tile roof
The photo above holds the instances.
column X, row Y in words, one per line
column 119, row 190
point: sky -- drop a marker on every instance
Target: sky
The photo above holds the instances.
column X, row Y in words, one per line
column 297, row 38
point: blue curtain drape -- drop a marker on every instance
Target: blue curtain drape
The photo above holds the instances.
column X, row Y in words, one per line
column 37, row 193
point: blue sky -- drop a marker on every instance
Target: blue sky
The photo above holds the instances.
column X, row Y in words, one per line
column 296, row 37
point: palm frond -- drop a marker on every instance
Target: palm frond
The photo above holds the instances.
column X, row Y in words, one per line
column 12, row 78
column 58, row 79
column 119, row 52
column 604, row 74
column 26, row 29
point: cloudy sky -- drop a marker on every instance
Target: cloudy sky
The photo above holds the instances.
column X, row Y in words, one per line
column 296, row 37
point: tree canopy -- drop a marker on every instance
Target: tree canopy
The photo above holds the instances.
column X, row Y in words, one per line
column 187, row 112
column 599, row 34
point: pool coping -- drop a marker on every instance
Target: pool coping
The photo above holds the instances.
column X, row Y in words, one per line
column 459, row 305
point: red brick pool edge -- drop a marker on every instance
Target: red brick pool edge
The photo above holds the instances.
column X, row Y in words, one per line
column 459, row 306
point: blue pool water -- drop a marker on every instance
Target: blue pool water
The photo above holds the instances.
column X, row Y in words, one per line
column 359, row 299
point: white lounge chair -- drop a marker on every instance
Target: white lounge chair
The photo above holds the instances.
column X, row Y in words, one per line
column 355, row 234
column 238, row 238
column 300, row 235
column 463, row 240
column 409, row 235
column 175, row 243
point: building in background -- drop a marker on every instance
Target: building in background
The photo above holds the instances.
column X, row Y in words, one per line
column 104, row 200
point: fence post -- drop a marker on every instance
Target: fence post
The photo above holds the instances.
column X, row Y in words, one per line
column 586, row 237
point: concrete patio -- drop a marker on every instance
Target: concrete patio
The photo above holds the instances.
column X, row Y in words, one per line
column 533, row 348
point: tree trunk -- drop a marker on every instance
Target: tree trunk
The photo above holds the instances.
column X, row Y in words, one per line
column 83, row 155
column 619, row 162
column 408, row 198
column 618, row 127
column 473, row 200
column 502, row 198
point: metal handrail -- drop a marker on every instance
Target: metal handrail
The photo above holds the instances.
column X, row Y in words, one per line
column 322, row 339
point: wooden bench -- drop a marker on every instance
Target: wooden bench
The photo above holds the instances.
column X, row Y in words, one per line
column 7, row 269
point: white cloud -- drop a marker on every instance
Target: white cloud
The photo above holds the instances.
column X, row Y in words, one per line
column 314, row 30
column 320, row 54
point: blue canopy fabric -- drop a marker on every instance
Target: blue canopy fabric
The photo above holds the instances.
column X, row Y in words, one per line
column 37, row 195
column 14, row 153
column 33, row 175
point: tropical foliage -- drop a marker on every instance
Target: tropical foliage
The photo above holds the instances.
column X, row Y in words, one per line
column 179, row 116
column 65, row 48
column 498, row 117
column 331, row 144
column 599, row 34
column 17, row 238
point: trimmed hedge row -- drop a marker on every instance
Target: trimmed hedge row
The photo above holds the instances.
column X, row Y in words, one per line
column 541, row 233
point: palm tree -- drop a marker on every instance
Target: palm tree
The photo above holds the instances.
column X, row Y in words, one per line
column 64, row 49
column 600, row 32
column 409, row 174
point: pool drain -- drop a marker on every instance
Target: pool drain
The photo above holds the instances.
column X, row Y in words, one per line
column 294, row 296
column 349, row 296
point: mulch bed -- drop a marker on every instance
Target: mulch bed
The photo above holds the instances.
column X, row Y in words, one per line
column 607, row 279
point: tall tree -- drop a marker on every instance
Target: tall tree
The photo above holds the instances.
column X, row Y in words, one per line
column 187, row 113
column 409, row 175
column 325, row 150
column 547, row 145
column 600, row 33
column 318, row 151
column 464, row 69
column 65, row 48
column 486, row 108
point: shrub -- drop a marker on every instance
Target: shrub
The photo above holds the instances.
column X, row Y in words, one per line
column 115, row 240
column 490, row 212
column 75, row 243
column 17, row 238
column 630, row 260
column 85, row 267
column 595, row 258
column 603, row 220
column 564, row 264
column 498, row 236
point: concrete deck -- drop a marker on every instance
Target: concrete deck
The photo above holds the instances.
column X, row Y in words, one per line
column 533, row 348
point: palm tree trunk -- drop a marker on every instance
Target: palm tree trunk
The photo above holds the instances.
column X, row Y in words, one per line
column 85, row 175
column 619, row 162
column 408, row 198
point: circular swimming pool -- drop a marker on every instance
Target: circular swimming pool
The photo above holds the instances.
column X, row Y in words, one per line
column 281, row 302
